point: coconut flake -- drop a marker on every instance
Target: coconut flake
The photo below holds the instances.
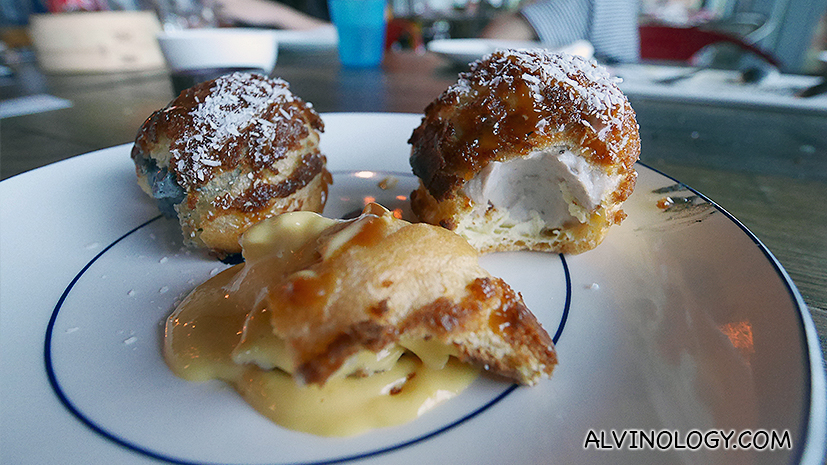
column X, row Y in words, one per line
column 235, row 104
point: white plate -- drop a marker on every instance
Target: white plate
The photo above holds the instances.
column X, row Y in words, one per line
column 681, row 321
column 219, row 48
column 464, row 51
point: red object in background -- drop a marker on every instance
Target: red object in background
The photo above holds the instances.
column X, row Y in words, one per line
column 65, row 6
column 671, row 43
column 407, row 33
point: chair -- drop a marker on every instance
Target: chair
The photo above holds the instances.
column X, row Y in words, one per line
column 680, row 44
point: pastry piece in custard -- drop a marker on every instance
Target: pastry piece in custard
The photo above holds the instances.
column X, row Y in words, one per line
column 528, row 150
column 335, row 327
column 227, row 153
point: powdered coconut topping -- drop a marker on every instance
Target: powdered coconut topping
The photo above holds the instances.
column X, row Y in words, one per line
column 512, row 102
column 589, row 86
column 236, row 111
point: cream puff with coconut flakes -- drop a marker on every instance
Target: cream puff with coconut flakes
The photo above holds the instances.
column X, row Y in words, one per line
column 228, row 153
column 529, row 150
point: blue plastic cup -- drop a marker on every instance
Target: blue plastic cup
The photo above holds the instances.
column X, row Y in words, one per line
column 361, row 26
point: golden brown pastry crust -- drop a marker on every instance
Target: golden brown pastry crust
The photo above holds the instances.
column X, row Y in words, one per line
column 395, row 282
column 513, row 103
column 243, row 148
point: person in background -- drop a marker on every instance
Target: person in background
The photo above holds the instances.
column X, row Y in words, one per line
column 267, row 13
column 611, row 26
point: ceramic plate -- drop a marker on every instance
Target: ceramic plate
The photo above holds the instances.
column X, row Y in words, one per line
column 681, row 327
column 464, row 51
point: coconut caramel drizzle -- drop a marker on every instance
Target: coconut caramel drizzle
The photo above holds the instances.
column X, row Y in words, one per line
column 588, row 86
column 239, row 112
column 513, row 101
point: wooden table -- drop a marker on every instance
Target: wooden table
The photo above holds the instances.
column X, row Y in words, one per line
column 768, row 168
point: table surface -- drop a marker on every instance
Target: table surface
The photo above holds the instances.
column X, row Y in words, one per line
column 766, row 165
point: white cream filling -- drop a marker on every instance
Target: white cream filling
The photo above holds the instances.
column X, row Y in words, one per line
column 544, row 190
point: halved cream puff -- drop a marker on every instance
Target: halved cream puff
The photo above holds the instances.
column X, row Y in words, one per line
column 529, row 150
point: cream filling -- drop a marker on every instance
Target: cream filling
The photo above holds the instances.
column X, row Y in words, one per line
column 222, row 330
column 543, row 191
column 259, row 346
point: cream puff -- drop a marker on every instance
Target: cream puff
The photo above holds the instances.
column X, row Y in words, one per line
column 230, row 152
column 529, row 150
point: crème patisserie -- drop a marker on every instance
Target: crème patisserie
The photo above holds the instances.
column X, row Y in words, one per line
column 367, row 322
column 227, row 153
column 529, row 150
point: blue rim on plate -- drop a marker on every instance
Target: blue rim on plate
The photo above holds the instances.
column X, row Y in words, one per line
column 796, row 299
column 143, row 450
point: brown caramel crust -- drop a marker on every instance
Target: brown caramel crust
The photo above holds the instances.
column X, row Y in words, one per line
column 507, row 106
column 513, row 102
column 220, row 229
column 367, row 334
column 258, row 196
column 490, row 305
column 394, row 281
column 277, row 122
column 243, row 148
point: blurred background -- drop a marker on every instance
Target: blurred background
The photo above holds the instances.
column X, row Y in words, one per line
column 718, row 32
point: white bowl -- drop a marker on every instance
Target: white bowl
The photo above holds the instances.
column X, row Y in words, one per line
column 219, row 48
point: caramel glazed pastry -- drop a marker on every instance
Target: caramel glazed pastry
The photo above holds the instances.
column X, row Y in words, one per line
column 321, row 302
column 227, row 153
column 528, row 150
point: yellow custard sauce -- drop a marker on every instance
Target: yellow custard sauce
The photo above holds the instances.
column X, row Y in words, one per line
column 224, row 330
column 352, row 405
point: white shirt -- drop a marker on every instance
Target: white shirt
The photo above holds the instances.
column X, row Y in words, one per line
column 611, row 26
